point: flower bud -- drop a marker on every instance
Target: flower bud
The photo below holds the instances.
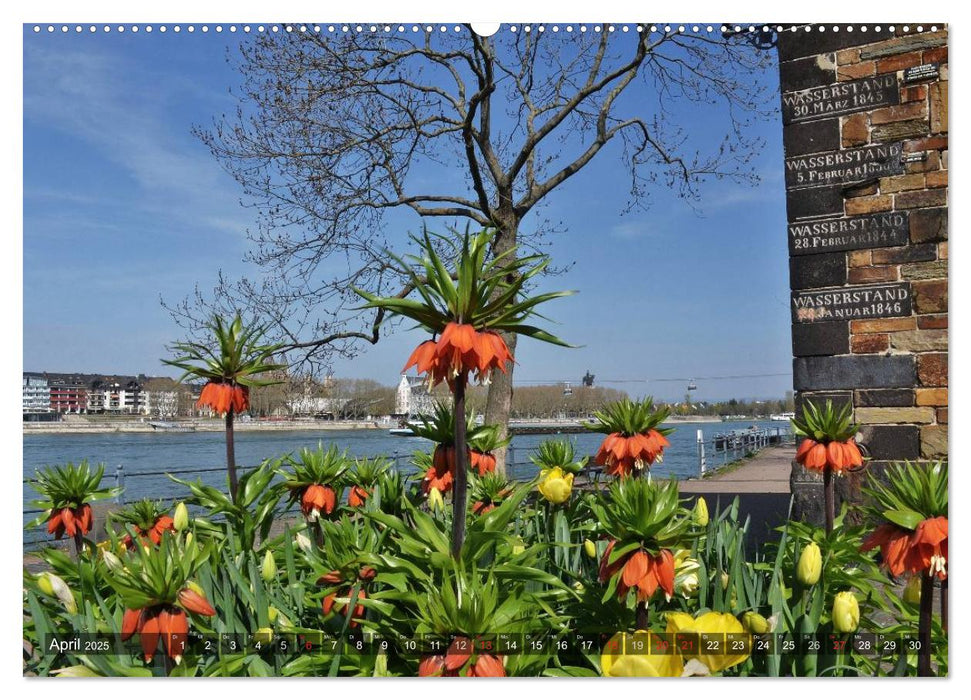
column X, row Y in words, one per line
column 700, row 513
column 590, row 549
column 810, row 565
column 264, row 635
column 689, row 585
column 724, row 580
column 195, row 588
column 846, row 612
column 435, row 500
column 54, row 585
column 44, row 584
column 271, row 614
column 303, row 542
column 268, row 569
column 912, row 591
column 579, row 587
column 519, row 547
column 78, row 671
column 755, row 623
column 180, row 521
column 111, row 561
column 188, row 540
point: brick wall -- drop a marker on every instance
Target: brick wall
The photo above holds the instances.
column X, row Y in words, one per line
column 865, row 134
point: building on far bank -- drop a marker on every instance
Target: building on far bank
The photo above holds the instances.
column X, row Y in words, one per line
column 37, row 393
column 68, row 395
column 413, row 398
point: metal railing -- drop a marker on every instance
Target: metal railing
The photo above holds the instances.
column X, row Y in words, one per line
column 38, row 536
column 720, row 449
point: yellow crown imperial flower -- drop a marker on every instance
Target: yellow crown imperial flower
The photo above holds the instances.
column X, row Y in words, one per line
column 810, row 565
column 555, row 485
column 846, row 612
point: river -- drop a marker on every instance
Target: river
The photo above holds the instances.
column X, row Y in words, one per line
column 146, row 457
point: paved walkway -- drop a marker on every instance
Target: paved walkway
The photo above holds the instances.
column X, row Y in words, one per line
column 761, row 486
column 767, row 472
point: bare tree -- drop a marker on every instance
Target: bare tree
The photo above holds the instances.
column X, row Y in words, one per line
column 332, row 132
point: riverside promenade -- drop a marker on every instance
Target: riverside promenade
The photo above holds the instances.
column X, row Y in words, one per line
column 761, row 484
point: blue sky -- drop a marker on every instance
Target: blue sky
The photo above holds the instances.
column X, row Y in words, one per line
column 123, row 205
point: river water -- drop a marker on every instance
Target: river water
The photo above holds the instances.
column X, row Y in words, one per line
column 145, row 458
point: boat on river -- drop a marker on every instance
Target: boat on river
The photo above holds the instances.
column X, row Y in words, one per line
column 170, row 427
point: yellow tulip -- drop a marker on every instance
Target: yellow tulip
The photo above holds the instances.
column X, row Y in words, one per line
column 590, row 548
column 755, row 623
column 846, row 612
column 555, row 485
column 180, row 521
column 435, row 500
column 45, row 584
column 710, row 623
column 264, row 635
column 626, row 663
column 810, row 565
column 268, row 569
column 700, row 513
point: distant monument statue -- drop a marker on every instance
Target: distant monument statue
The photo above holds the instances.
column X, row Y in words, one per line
column 587, row 379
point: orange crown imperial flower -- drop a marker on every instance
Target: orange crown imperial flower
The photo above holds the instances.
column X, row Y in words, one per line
column 829, row 443
column 70, row 521
column 317, row 498
column 459, row 660
column 357, row 496
column 222, row 397
column 166, row 623
column 634, row 441
column 641, row 570
column 459, row 351
column 915, row 551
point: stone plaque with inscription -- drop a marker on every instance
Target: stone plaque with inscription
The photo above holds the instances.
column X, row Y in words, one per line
column 840, row 98
column 850, row 233
column 847, row 303
column 853, row 165
column 927, row 71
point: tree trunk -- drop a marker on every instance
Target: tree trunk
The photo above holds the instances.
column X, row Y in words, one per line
column 499, row 403
column 499, row 400
column 231, row 455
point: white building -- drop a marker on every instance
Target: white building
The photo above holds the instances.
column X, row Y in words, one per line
column 413, row 398
column 37, row 394
column 163, row 404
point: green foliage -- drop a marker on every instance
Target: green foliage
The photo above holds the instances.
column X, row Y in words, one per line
column 630, row 418
column 485, row 292
column 68, row 486
column 558, row 453
column 527, row 568
column 237, row 354
column 825, row 424
column 909, row 493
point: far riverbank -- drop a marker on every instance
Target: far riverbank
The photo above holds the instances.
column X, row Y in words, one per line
column 84, row 425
